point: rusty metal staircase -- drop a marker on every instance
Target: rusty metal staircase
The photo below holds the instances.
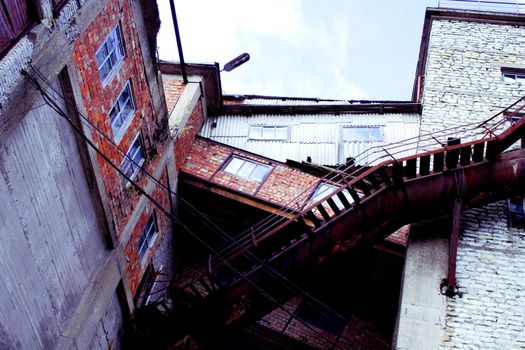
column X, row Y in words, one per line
column 372, row 201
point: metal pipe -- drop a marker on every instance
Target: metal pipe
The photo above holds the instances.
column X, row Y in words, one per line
column 179, row 44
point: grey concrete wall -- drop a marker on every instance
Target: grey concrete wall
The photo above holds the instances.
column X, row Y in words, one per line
column 51, row 244
column 421, row 323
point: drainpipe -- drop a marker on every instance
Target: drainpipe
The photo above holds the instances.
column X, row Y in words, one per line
column 179, row 45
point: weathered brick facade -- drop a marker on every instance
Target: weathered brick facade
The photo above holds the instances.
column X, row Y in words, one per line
column 187, row 134
column 357, row 334
column 135, row 267
column 172, row 91
column 99, row 99
column 282, row 185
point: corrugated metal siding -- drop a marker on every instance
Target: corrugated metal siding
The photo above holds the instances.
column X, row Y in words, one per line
column 316, row 136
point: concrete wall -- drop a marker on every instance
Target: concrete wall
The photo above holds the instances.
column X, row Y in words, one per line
column 463, row 84
column 61, row 261
column 422, row 309
column 51, row 242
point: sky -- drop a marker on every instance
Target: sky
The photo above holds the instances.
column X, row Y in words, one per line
column 334, row 49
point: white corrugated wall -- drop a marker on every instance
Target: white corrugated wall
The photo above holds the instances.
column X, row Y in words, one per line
column 316, row 136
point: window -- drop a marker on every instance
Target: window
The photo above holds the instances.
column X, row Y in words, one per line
column 14, row 19
column 363, row 133
column 247, row 169
column 324, row 189
column 110, row 54
column 511, row 75
column 122, row 112
column 516, row 215
column 513, row 118
column 133, row 160
column 148, row 236
column 268, row 133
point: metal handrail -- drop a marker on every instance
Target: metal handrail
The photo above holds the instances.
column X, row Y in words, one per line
column 484, row 5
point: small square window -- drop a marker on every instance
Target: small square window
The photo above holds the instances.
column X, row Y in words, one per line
column 122, row 111
column 110, row 54
column 147, row 238
column 363, row 133
column 247, row 169
column 133, row 160
column 278, row 133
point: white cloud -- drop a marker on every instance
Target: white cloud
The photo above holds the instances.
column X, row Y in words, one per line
column 293, row 53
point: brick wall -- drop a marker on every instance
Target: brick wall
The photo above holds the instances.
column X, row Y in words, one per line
column 463, row 84
column 187, row 134
column 134, row 267
column 357, row 334
column 283, row 183
column 99, row 99
column 172, row 91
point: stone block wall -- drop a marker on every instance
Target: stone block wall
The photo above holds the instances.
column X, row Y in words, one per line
column 463, row 84
column 490, row 313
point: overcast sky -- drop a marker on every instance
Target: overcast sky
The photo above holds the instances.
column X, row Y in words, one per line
column 337, row 49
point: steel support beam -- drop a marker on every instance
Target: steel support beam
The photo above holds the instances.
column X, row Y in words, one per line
column 453, row 249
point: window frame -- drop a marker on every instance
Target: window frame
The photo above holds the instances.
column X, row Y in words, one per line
column 119, row 51
column 247, row 162
column 14, row 22
column 148, row 236
column 129, row 161
column 516, row 218
column 380, row 138
column 117, row 134
column 262, row 134
column 513, row 75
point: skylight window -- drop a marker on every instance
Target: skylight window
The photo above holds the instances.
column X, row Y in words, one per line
column 247, row 169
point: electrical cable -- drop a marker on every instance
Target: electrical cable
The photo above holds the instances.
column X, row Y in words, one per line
column 290, row 285
column 261, row 291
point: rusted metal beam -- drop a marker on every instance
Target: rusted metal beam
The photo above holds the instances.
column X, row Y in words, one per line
column 453, row 249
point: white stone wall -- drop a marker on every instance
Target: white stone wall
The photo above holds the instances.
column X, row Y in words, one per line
column 463, row 75
column 463, row 84
column 491, row 275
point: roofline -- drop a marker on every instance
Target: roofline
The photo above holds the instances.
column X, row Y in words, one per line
column 242, row 97
column 358, row 108
column 457, row 15
column 211, row 75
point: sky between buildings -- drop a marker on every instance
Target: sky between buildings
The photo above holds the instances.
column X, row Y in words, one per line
column 337, row 49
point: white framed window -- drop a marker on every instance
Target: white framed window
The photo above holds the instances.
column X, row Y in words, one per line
column 511, row 75
column 265, row 132
column 110, row 54
column 148, row 236
column 247, row 169
column 122, row 111
column 363, row 133
column 133, row 160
